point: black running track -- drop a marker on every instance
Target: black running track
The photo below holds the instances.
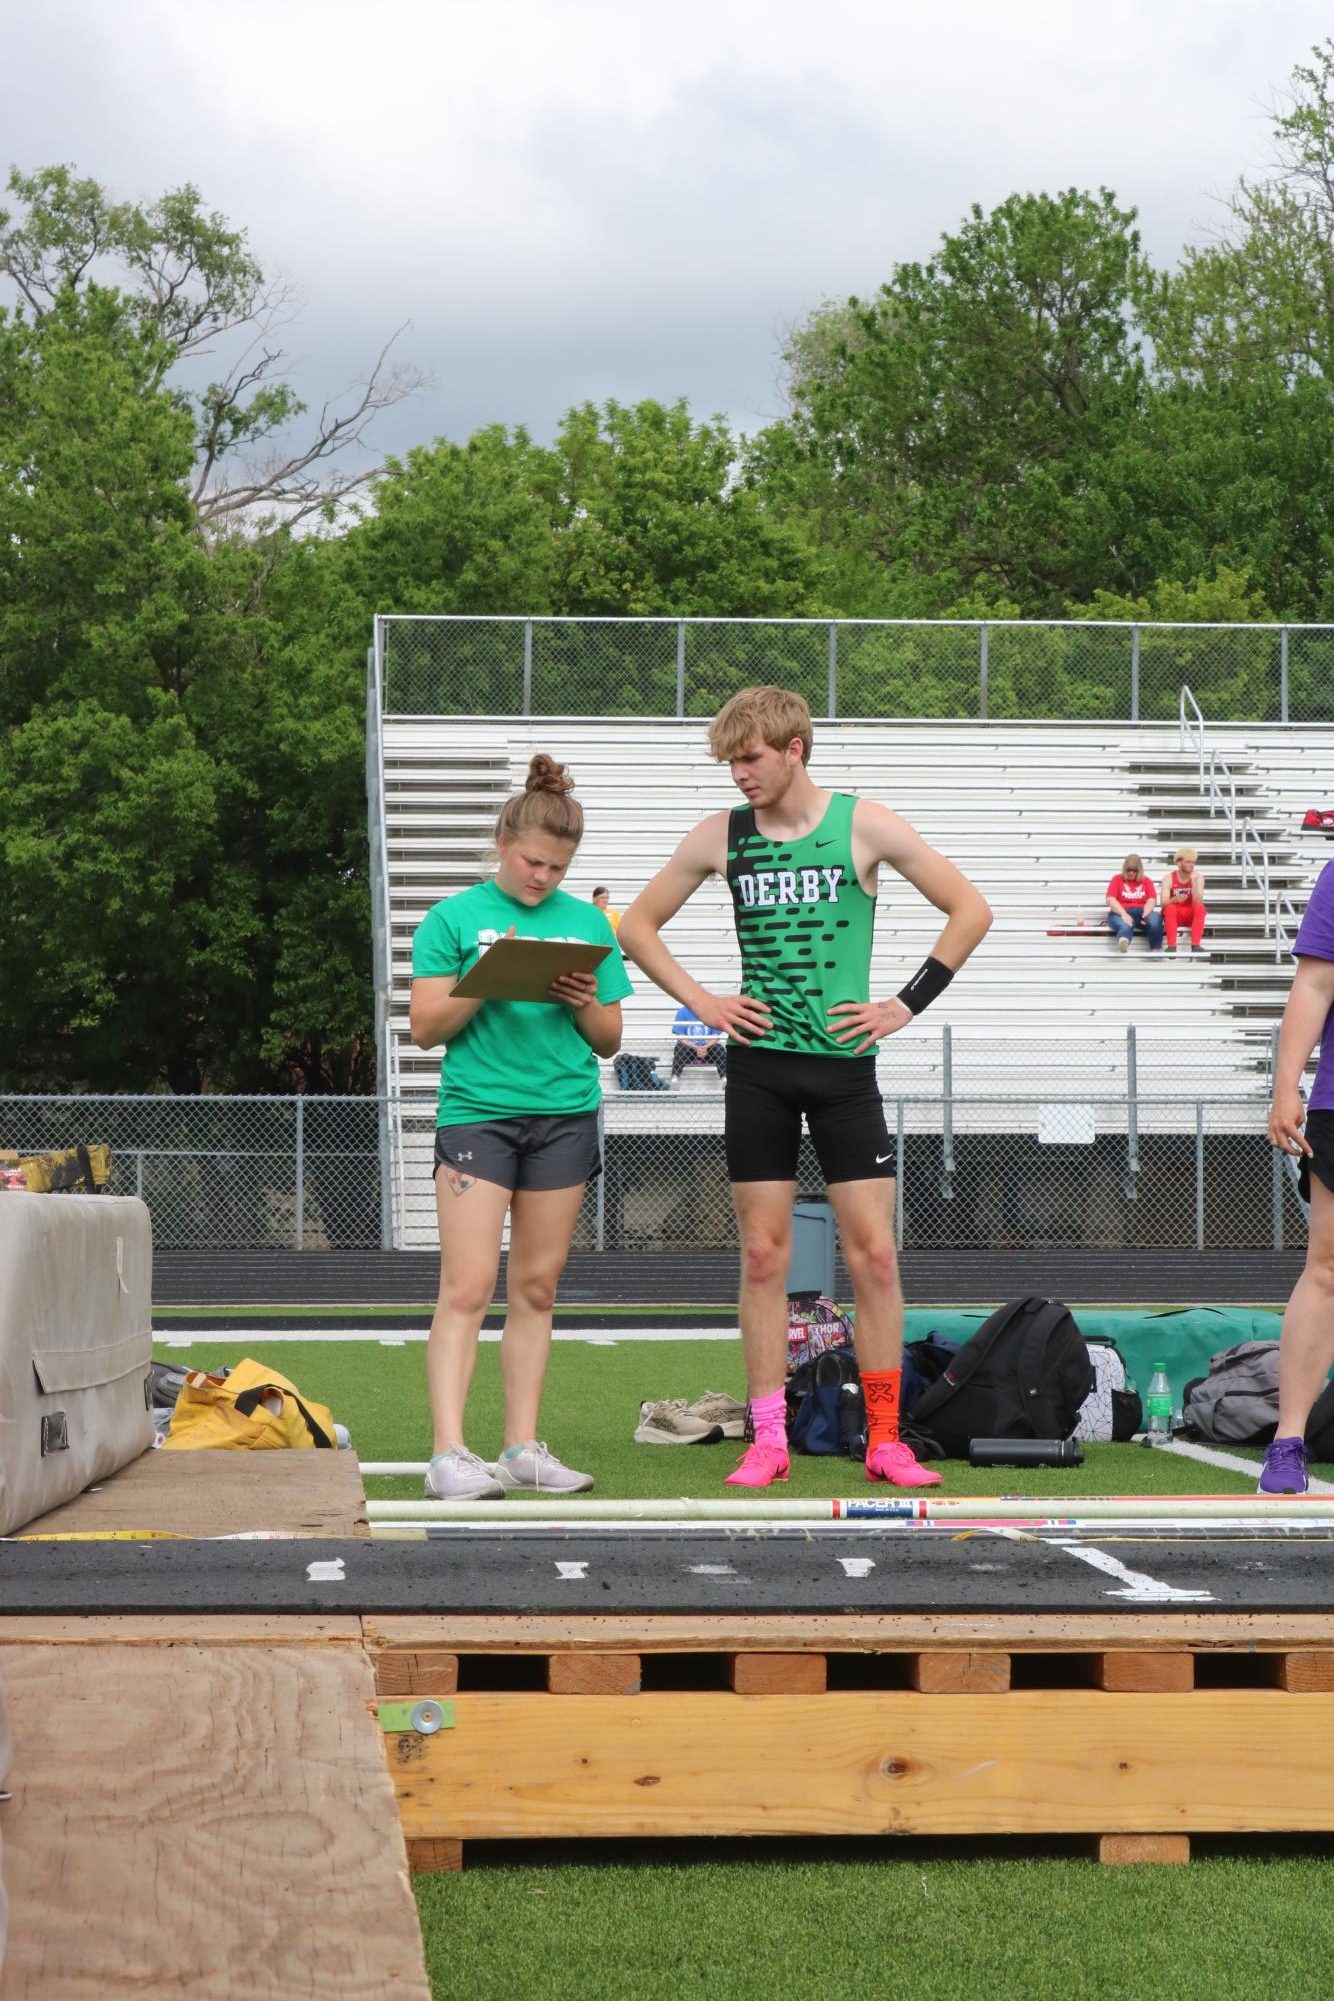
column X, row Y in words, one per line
column 651, row 1571
column 694, row 1278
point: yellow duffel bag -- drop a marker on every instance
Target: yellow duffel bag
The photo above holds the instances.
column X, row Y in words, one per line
column 252, row 1406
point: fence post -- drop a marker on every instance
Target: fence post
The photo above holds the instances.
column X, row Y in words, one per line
column 1283, row 675
column 528, row 667
column 1273, row 1057
column 832, row 707
column 600, row 1198
column 1132, row 1117
column 946, row 1113
column 139, row 1172
column 898, row 1176
column 983, row 657
column 300, row 1174
column 680, row 675
column 1134, row 673
column 384, row 1111
column 1199, row 1174
column 1276, row 1171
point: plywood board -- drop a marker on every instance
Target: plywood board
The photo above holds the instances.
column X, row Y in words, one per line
column 897, row 1632
column 181, row 1629
column 220, row 1493
column 218, row 1823
column 1029, row 1762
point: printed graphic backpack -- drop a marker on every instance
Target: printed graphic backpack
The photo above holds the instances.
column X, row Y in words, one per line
column 1024, row 1374
column 814, row 1325
column 1110, row 1410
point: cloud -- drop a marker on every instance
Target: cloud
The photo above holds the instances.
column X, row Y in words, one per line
column 588, row 199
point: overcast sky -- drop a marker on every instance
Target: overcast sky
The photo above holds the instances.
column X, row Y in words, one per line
column 573, row 199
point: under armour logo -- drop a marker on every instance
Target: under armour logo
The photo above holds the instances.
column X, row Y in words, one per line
column 468, row 1156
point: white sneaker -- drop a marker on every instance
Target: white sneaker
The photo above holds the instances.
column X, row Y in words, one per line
column 532, row 1469
column 668, row 1422
column 459, row 1475
column 1123, row 944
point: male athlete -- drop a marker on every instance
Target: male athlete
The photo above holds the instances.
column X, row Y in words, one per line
column 802, row 865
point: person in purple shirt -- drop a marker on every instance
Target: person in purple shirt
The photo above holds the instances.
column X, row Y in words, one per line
column 1306, row 1341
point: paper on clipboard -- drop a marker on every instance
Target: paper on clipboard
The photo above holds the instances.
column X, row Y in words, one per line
column 523, row 968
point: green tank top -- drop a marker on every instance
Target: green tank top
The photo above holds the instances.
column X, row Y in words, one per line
column 804, row 924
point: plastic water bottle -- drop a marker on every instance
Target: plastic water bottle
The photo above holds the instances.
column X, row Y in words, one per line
column 1158, row 1407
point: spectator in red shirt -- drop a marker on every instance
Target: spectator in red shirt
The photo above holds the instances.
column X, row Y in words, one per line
column 1132, row 905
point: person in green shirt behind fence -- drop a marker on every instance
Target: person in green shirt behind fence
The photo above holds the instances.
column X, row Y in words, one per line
column 516, row 1131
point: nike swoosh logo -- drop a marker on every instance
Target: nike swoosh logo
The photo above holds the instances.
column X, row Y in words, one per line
column 824, row 844
column 880, row 1159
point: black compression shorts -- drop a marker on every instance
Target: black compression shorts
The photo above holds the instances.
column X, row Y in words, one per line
column 768, row 1090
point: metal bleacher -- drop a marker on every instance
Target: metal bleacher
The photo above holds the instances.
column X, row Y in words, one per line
column 1039, row 815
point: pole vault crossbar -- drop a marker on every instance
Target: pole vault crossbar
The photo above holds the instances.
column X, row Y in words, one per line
column 1052, row 1510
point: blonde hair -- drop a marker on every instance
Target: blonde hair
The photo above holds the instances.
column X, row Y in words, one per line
column 774, row 715
column 545, row 806
column 1132, row 861
column 1186, row 855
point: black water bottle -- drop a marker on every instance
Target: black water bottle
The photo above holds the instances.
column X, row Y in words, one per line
column 1025, row 1452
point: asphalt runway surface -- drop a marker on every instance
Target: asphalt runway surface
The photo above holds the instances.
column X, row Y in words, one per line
column 546, row 1570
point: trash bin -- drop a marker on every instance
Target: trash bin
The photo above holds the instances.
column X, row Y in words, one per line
column 812, row 1265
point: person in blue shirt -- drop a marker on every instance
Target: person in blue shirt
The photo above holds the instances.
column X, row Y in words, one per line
column 695, row 1042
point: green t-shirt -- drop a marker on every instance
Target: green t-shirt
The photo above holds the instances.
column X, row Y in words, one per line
column 514, row 1059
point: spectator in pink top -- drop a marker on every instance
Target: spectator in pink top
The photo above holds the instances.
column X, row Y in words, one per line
column 1132, row 905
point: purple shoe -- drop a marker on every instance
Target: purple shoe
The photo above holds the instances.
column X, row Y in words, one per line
column 1284, row 1470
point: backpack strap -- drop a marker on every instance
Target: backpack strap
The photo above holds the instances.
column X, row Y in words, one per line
column 1050, row 1314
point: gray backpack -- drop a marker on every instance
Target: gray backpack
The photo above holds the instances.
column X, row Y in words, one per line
column 1237, row 1402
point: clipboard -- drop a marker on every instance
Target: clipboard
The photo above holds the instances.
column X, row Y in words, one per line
column 522, row 969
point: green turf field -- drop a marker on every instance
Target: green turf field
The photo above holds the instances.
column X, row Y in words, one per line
column 591, row 1407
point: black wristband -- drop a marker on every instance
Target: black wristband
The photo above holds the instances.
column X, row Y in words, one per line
column 927, row 984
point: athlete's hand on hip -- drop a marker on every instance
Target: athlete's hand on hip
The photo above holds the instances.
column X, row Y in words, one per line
column 871, row 1021
column 737, row 1015
column 575, row 989
column 1287, row 1116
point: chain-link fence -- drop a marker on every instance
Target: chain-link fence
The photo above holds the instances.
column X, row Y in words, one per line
column 229, row 1173
column 1145, row 1145
column 850, row 668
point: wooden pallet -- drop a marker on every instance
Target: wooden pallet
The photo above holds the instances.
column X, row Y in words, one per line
column 1136, row 1730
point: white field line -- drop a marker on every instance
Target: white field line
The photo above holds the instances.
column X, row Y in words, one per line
column 1137, row 1588
column 1230, row 1462
column 400, row 1337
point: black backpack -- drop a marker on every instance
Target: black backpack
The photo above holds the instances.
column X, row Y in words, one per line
column 826, row 1408
column 1024, row 1374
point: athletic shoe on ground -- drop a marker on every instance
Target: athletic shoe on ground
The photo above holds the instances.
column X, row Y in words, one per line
column 760, row 1466
column 716, row 1407
column 532, row 1469
column 459, row 1475
column 1284, row 1470
column 898, row 1464
column 668, row 1422
column 1123, row 944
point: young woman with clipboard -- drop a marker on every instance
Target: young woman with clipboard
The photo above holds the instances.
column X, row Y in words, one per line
column 517, row 1125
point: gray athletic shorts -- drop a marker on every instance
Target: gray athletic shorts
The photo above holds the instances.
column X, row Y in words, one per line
column 555, row 1150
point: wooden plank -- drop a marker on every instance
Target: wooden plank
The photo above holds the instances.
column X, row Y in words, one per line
column 432, row 1857
column 1018, row 1632
column 1157, row 1848
column 865, row 1762
column 213, row 1822
column 181, row 1629
column 594, row 1674
column 1161, row 1673
column 961, row 1671
column 1304, row 1673
column 778, row 1674
column 220, row 1493
column 418, row 1671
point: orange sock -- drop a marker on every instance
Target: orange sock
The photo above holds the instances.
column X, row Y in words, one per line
column 880, row 1387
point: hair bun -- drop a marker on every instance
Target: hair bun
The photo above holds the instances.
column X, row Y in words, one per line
column 545, row 775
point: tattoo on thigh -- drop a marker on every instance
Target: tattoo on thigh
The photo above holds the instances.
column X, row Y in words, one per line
column 458, row 1184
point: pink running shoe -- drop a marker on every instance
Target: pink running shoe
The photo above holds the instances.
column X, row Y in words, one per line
column 898, row 1465
column 760, row 1466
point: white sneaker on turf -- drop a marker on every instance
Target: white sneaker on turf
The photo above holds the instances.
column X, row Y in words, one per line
column 532, row 1469
column 668, row 1422
column 459, row 1475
